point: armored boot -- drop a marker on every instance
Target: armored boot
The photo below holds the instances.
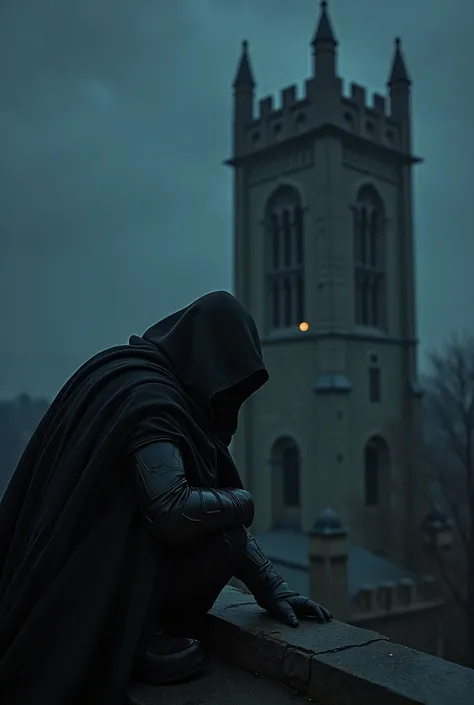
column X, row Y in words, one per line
column 167, row 659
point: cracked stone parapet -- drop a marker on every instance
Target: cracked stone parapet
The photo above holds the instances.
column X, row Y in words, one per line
column 335, row 663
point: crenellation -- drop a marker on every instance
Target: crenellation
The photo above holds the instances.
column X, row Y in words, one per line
column 372, row 121
column 278, row 122
column 325, row 100
column 386, row 595
column 289, row 96
column 378, row 103
column 276, row 114
column 429, row 588
column 265, row 107
column 301, row 104
column 405, row 595
column 406, row 591
column 358, row 94
column 366, row 598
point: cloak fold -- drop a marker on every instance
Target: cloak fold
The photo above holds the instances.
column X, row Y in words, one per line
column 77, row 562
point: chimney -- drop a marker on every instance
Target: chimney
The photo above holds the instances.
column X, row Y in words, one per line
column 328, row 564
column 437, row 534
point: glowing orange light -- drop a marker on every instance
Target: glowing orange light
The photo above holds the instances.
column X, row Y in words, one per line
column 303, row 326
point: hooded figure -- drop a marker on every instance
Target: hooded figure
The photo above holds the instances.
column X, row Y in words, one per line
column 126, row 515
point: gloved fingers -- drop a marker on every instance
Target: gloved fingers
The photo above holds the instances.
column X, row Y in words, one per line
column 303, row 606
column 326, row 613
column 283, row 611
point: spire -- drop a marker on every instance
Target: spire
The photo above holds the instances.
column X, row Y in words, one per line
column 244, row 75
column 324, row 31
column 398, row 73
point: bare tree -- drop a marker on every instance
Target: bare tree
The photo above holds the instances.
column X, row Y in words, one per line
column 449, row 437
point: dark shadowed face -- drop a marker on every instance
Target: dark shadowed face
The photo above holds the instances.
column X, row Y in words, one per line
column 215, row 352
column 225, row 405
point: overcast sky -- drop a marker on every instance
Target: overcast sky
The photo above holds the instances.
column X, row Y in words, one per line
column 115, row 117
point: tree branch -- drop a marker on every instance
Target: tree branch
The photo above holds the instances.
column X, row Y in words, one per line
column 452, row 585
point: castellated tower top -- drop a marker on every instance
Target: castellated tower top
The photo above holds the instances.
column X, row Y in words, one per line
column 384, row 121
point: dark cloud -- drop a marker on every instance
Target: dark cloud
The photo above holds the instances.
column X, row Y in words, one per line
column 114, row 120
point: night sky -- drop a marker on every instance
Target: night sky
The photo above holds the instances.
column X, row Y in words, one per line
column 115, row 116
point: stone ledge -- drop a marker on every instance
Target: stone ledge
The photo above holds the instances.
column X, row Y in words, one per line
column 334, row 664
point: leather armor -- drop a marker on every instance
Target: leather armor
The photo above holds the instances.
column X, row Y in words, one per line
column 257, row 572
column 177, row 512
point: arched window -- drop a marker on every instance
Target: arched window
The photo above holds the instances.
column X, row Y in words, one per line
column 286, row 478
column 376, row 469
column 285, row 259
column 369, row 223
column 291, row 477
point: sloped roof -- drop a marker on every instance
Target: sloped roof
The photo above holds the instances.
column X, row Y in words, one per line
column 288, row 550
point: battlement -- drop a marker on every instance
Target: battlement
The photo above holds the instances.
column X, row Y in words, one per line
column 378, row 106
column 283, row 117
column 288, row 106
column 374, row 601
column 323, row 103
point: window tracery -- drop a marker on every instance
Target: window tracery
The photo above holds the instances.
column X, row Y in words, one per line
column 285, row 275
column 369, row 244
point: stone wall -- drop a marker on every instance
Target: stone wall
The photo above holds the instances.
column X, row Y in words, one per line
column 333, row 664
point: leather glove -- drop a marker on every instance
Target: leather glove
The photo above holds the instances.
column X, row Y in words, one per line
column 271, row 591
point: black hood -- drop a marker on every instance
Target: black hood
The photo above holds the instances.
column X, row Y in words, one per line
column 213, row 346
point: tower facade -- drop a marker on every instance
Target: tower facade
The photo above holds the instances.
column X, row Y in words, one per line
column 323, row 255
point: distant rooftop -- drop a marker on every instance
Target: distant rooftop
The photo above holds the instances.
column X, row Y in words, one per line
column 288, row 550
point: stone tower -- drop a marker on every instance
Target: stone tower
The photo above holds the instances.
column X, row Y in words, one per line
column 323, row 243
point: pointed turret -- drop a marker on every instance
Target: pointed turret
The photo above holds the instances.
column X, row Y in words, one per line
column 398, row 72
column 399, row 86
column 324, row 45
column 244, row 88
column 324, row 31
column 244, row 76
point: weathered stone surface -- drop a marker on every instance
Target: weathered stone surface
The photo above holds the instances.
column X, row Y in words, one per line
column 297, row 669
column 334, row 664
column 402, row 675
column 241, row 611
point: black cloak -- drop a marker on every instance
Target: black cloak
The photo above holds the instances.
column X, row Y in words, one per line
column 77, row 563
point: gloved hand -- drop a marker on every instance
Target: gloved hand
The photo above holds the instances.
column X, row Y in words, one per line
column 288, row 609
column 271, row 592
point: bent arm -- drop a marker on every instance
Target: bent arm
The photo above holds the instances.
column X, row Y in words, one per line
column 177, row 512
column 258, row 574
